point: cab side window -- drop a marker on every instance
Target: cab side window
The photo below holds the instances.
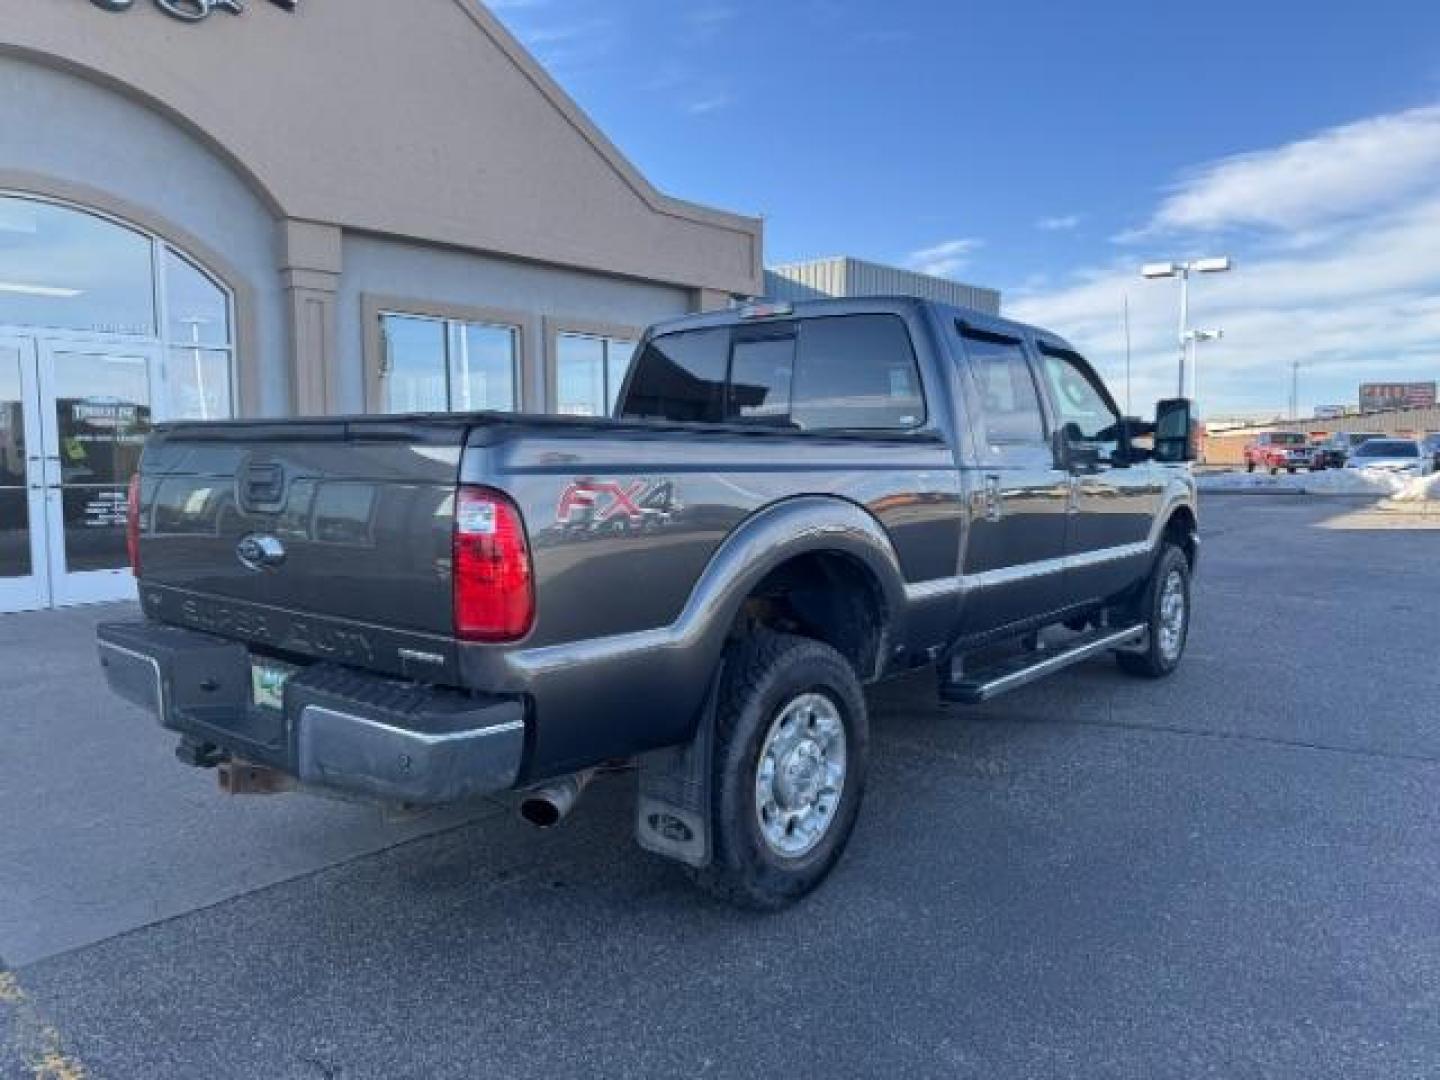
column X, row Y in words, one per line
column 1087, row 415
column 1010, row 401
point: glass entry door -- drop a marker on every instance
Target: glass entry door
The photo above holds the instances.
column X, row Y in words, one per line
column 24, row 577
column 96, row 410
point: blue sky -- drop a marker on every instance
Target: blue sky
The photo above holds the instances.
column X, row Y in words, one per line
column 1049, row 149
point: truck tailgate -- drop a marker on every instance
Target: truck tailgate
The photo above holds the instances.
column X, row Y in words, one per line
column 345, row 520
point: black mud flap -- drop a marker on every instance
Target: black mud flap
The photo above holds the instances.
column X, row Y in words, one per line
column 672, row 814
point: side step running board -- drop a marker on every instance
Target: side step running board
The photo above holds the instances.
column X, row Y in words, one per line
column 982, row 686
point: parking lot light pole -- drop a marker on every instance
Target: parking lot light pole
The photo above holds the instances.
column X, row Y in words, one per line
column 1183, row 270
column 1194, row 338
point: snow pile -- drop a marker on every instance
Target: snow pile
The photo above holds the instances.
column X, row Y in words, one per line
column 1377, row 482
column 1424, row 489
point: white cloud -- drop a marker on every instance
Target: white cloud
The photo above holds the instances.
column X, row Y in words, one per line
column 1061, row 223
column 713, row 103
column 1334, row 270
column 1338, row 173
column 944, row 259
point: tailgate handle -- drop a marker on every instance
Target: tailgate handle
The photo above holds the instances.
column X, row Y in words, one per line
column 264, row 485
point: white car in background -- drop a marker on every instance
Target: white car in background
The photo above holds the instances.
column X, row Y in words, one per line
column 1402, row 456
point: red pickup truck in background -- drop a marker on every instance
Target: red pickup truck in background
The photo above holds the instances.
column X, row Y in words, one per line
column 1276, row 450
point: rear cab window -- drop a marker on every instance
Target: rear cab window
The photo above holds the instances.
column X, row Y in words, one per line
column 842, row 373
column 680, row 378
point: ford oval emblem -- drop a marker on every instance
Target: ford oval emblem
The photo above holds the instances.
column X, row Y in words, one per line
column 261, row 552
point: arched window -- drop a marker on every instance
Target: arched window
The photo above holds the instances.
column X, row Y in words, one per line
column 69, row 271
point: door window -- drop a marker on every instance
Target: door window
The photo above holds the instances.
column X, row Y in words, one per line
column 15, row 559
column 857, row 373
column 101, row 412
column 1010, row 402
column 1087, row 415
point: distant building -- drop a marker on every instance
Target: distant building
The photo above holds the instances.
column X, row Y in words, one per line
column 849, row 277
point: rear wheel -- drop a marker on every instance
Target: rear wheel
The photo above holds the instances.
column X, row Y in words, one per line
column 791, row 750
column 1249, row 466
column 1165, row 608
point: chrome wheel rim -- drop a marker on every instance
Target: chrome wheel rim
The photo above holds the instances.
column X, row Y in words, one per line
column 800, row 777
column 1172, row 615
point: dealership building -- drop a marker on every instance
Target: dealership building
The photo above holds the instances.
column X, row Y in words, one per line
column 254, row 208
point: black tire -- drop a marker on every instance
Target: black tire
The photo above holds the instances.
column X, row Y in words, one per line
column 1249, row 466
column 764, row 674
column 1274, row 471
column 1291, row 472
column 1156, row 662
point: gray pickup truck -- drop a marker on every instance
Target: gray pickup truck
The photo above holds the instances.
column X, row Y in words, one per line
column 790, row 503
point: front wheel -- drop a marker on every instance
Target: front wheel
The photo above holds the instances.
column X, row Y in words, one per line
column 791, row 750
column 1165, row 608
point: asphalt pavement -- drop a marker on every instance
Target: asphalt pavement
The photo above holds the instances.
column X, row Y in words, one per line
column 1232, row 873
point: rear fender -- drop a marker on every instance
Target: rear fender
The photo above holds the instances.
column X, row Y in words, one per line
column 627, row 694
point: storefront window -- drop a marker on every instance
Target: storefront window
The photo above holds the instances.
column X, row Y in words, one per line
column 197, row 310
column 449, row 365
column 199, row 384
column 482, row 367
column 65, row 269
column 589, row 371
column 73, row 272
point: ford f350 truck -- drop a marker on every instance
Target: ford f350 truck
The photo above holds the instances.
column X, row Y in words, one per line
column 790, row 503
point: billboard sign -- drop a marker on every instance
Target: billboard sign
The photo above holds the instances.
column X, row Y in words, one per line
column 1376, row 397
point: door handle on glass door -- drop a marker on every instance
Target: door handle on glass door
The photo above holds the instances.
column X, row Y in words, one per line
column 994, row 509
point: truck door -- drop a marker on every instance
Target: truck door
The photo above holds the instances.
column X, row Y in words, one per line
column 1015, row 553
column 1113, row 501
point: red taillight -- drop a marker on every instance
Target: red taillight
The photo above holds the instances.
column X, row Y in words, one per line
column 132, row 524
column 494, row 588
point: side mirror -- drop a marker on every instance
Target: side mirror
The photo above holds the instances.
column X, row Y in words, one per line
column 1138, row 440
column 1176, row 433
column 1084, row 457
column 1074, row 454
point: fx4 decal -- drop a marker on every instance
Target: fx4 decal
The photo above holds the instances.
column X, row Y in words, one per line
column 599, row 505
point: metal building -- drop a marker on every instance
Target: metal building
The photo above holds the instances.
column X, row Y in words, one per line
column 844, row 276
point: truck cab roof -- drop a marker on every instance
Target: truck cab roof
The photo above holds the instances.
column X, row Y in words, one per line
column 761, row 311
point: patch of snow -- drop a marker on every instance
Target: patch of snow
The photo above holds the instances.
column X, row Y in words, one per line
column 1376, row 482
column 1423, row 489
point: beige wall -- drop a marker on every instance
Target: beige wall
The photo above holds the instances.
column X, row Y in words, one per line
column 421, row 118
column 350, row 123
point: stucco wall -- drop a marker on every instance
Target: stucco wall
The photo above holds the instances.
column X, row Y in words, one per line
column 415, row 118
column 63, row 135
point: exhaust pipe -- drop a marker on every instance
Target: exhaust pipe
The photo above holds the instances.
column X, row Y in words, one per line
column 241, row 778
column 546, row 807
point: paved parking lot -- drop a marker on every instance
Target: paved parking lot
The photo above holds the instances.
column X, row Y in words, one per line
column 1234, row 873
